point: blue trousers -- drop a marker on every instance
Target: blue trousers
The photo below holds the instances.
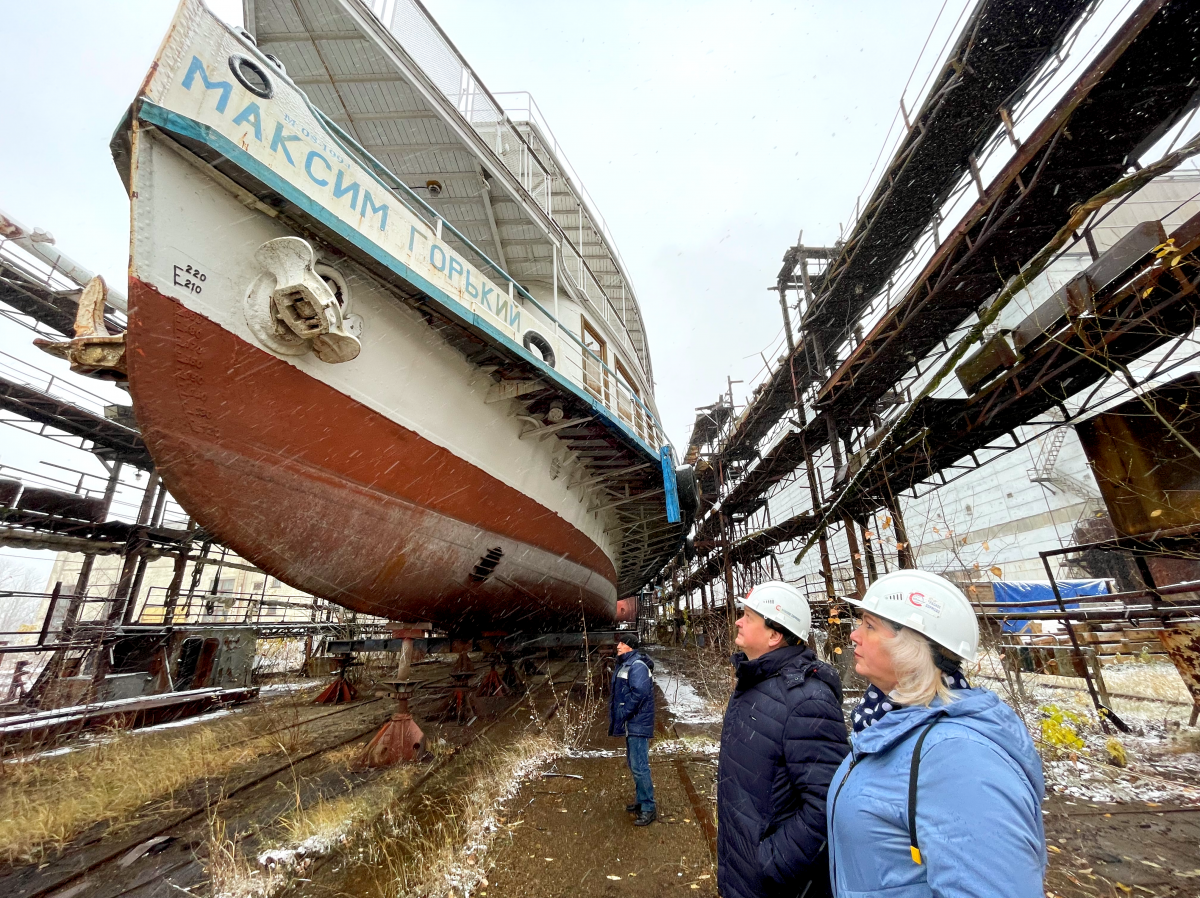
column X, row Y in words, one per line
column 637, row 756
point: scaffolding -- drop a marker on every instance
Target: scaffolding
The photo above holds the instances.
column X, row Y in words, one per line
column 917, row 357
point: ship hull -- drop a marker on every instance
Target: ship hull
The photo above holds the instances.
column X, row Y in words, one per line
column 338, row 500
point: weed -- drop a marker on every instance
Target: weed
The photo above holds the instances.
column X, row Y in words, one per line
column 230, row 874
column 1061, row 729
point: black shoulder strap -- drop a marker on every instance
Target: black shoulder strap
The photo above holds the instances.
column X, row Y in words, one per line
column 912, row 792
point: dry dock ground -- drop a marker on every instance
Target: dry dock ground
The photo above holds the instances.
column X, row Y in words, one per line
column 528, row 801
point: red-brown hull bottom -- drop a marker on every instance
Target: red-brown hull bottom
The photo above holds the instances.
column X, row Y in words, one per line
column 340, row 501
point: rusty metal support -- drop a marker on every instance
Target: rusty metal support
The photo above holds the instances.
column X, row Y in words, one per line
column 132, row 554
column 341, row 690
column 181, row 560
column 400, row 739
column 1103, row 712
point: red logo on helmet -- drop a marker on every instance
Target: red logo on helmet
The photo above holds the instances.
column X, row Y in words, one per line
column 916, row 598
column 778, row 607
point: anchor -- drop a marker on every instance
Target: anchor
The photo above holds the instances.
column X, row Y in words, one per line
column 93, row 352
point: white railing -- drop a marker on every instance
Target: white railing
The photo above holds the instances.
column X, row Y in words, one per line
column 62, row 388
column 416, row 31
column 427, row 44
column 520, row 106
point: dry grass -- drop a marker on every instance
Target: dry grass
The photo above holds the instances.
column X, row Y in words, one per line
column 708, row 670
column 329, row 820
column 439, row 849
column 45, row 802
column 1157, row 679
column 230, row 874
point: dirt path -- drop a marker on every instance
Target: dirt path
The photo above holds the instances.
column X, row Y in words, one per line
column 570, row 837
column 1127, row 848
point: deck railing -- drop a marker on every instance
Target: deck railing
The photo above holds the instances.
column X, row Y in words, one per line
column 419, row 35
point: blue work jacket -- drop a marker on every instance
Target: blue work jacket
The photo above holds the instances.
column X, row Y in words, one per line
column 978, row 812
column 631, row 711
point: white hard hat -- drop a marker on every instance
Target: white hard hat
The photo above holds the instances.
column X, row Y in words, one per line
column 927, row 603
column 782, row 603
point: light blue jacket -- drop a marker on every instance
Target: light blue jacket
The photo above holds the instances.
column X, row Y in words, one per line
column 979, row 806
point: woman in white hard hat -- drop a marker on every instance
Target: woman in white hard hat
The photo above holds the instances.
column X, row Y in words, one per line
column 942, row 792
column 783, row 737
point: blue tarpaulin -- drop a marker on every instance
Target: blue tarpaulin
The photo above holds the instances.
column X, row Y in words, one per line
column 1040, row 590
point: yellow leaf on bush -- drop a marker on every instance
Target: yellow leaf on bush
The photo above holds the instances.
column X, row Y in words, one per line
column 1116, row 752
column 995, row 571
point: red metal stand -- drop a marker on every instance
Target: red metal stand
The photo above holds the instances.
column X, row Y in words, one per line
column 461, row 708
column 492, row 683
column 400, row 739
column 341, row 689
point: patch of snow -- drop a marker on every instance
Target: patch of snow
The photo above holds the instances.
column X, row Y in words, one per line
column 1090, row 782
column 593, row 753
column 299, row 856
column 278, row 688
column 686, row 746
column 186, row 721
column 683, row 701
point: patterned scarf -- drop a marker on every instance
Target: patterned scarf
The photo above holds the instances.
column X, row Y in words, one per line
column 875, row 704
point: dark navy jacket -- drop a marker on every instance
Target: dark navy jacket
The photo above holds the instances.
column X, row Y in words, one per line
column 784, row 736
column 631, row 712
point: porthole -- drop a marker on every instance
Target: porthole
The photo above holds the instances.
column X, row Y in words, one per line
column 539, row 345
column 251, row 76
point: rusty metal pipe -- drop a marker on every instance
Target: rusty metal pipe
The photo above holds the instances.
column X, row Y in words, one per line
column 1129, row 612
column 41, row 244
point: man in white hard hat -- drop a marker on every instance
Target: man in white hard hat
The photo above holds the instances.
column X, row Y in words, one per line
column 783, row 737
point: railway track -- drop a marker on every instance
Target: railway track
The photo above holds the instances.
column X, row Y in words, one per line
column 80, row 879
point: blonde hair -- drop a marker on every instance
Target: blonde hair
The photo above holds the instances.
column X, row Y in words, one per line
column 918, row 679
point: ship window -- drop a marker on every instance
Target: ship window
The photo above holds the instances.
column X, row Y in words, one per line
column 629, row 409
column 594, row 359
column 251, row 76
